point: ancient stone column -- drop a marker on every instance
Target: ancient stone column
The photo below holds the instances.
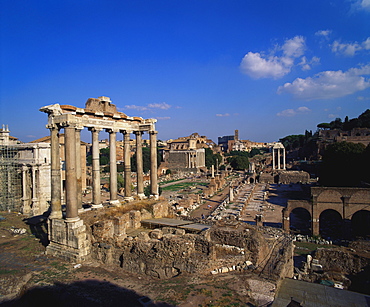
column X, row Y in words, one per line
column 315, row 223
column 56, row 187
column 153, row 164
column 273, row 158
column 113, row 166
column 284, row 166
column 78, row 169
column 127, row 158
column 96, row 196
column 212, row 171
column 26, row 209
column 139, row 165
column 71, row 179
column 279, row 158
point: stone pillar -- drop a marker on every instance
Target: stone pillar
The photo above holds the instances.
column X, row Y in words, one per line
column 315, row 222
column 139, row 165
column 78, row 170
column 212, row 171
column 284, row 165
column 26, row 209
column 56, row 179
column 96, row 195
column 273, row 158
column 71, row 178
column 113, row 166
column 231, row 194
column 346, row 225
column 153, row 164
column 127, row 158
column 35, row 200
column 279, row 158
column 286, row 222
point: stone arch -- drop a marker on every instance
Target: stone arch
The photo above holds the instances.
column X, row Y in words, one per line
column 359, row 200
column 360, row 223
column 292, row 205
column 330, row 224
column 329, row 195
column 300, row 220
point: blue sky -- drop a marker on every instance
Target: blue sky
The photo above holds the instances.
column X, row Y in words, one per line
column 266, row 68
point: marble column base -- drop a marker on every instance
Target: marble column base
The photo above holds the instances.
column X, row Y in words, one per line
column 115, row 202
column 141, row 196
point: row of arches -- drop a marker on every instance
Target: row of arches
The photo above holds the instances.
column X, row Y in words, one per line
column 331, row 223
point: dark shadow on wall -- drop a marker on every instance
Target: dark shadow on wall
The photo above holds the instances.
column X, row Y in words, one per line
column 91, row 293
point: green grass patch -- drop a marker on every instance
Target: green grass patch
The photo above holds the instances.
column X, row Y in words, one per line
column 308, row 247
column 8, row 272
column 183, row 185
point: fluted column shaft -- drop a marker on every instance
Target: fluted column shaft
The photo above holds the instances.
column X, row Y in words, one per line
column 78, row 169
column 139, row 164
column 153, row 164
column 127, row 158
column 96, row 196
column 113, row 165
column 56, row 188
column 273, row 159
column 71, row 179
column 279, row 158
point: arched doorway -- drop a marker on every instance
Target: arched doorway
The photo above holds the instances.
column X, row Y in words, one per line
column 330, row 224
column 360, row 224
column 300, row 221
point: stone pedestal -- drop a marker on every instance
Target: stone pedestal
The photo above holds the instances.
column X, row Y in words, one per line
column 68, row 240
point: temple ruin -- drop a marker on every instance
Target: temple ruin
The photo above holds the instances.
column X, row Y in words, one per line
column 67, row 232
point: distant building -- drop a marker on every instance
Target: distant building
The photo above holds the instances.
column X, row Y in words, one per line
column 356, row 135
column 187, row 153
column 233, row 143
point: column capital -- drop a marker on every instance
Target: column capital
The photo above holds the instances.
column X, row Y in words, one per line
column 112, row 130
column 138, row 132
column 53, row 126
column 94, row 129
column 126, row 131
column 79, row 128
column 153, row 132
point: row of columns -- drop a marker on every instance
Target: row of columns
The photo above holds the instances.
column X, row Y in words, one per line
column 280, row 154
column 73, row 173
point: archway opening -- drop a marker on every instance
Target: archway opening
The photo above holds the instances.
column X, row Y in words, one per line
column 300, row 221
column 251, row 180
column 360, row 224
column 331, row 224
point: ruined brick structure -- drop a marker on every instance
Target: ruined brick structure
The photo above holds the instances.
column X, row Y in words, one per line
column 345, row 201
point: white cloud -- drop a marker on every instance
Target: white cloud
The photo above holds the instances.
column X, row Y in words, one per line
column 328, row 84
column 323, row 33
column 135, row 107
column 306, row 64
column 163, row 118
column 350, row 49
column 361, row 5
column 162, row 106
column 362, row 98
column 258, row 65
column 333, row 115
column 223, row 115
column 292, row 112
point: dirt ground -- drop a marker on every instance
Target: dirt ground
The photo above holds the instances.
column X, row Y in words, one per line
column 28, row 277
